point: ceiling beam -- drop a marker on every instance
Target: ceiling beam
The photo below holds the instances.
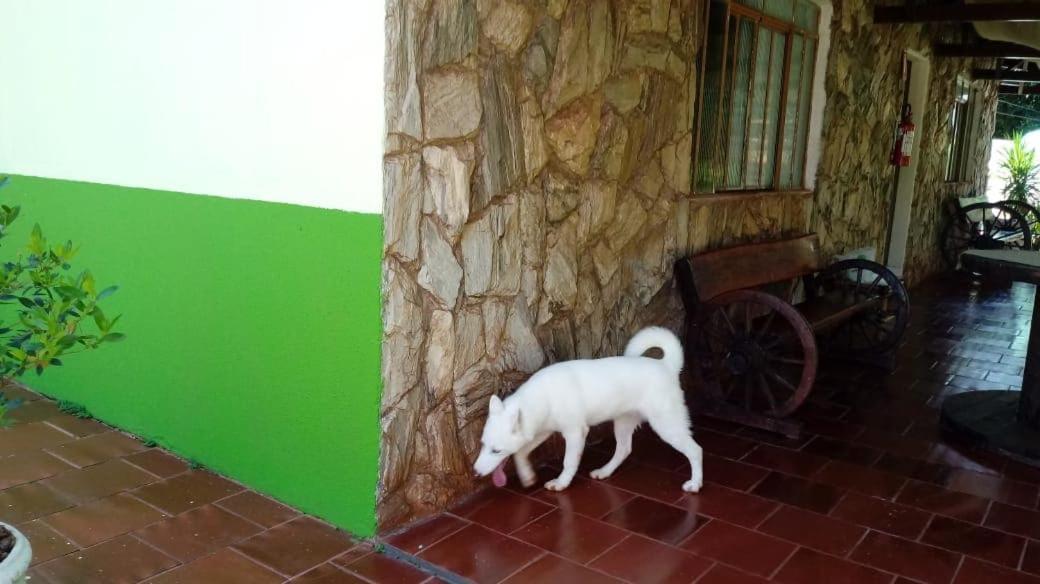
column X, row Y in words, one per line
column 1003, row 11
column 1006, row 75
column 986, row 49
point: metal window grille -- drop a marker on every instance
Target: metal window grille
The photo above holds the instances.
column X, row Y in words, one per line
column 757, row 66
column 961, row 127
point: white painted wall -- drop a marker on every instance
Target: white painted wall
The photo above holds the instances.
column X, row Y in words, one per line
column 274, row 100
column 814, row 141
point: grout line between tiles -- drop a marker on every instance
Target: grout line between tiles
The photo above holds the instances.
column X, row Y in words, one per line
column 237, row 514
column 957, row 570
column 47, row 524
column 902, row 487
column 784, row 563
column 140, row 539
column 521, row 568
column 166, row 514
column 261, row 563
column 66, row 461
column 510, row 533
column 862, row 538
column 428, row 544
column 586, row 566
column 361, row 576
column 629, row 535
column 234, row 550
column 159, row 477
column 47, row 422
column 779, row 507
column 1022, row 557
column 989, row 509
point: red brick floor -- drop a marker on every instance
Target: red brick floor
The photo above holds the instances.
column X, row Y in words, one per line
column 870, row 493
column 100, row 507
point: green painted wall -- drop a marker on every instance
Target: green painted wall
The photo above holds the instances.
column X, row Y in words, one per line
column 253, row 334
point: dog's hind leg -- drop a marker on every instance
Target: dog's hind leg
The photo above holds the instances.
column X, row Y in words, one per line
column 523, row 464
column 575, row 440
column 624, row 426
column 673, row 426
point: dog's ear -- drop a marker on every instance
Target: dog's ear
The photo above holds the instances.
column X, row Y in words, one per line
column 495, row 407
column 518, row 422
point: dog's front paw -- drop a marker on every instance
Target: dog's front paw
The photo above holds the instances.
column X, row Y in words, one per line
column 527, row 479
column 557, row 485
column 601, row 473
column 693, row 485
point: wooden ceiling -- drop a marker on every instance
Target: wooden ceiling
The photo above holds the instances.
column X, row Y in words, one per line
column 1016, row 67
column 957, row 12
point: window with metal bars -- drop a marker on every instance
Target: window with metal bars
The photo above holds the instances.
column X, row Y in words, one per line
column 757, row 66
column 961, row 128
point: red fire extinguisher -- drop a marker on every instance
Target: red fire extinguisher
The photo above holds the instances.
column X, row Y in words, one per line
column 904, row 139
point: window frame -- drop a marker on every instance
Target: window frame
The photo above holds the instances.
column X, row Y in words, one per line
column 963, row 128
column 731, row 15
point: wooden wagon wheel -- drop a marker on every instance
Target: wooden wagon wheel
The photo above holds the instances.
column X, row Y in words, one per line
column 757, row 352
column 877, row 327
column 1031, row 214
column 984, row 226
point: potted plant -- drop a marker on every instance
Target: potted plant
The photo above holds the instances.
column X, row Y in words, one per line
column 15, row 555
column 1021, row 171
column 46, row 312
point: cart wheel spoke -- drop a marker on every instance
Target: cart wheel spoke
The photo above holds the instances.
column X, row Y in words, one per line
column 763, row 386
column 864, row 333
column 762, row 332
column 773, row 334
column 747, row 393
column 729, row 323
column 873, row 285
column 780, row 379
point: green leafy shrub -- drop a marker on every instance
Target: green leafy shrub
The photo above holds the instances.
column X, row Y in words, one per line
column 48, row 310
column 1022, row 172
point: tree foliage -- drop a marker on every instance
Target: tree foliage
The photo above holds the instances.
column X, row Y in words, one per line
column 1017, row 114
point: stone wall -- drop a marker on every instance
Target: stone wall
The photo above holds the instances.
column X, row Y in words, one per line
column 537, row 176
column 855, row 181
column 932, row 192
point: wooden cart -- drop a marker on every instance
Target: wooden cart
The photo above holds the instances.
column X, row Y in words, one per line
column 754, row 352
column 975, row 223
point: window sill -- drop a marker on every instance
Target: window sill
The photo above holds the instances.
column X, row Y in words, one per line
column 737, row 196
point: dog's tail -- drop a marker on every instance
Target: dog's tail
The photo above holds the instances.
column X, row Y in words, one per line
column 661, row 338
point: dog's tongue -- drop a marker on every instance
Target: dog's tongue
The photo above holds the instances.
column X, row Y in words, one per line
column 499, row 476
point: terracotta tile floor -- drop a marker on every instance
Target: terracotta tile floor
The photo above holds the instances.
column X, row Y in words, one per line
column 870, row 493
column 102, row 508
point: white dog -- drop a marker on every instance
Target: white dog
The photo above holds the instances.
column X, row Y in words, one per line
column 571, row 396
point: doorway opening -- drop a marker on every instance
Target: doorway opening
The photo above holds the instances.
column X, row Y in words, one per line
column 916, row 71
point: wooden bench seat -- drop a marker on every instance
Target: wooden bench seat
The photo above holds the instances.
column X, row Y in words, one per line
column 754, row 352
column 826, row 312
